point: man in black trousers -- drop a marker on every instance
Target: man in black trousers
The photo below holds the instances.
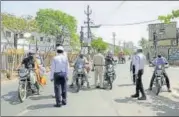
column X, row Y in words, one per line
column 59, row 72
column 139, row 70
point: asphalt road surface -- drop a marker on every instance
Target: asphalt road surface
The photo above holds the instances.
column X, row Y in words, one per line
column 97, row 102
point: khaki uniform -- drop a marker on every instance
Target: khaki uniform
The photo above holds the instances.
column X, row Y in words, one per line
column 99, row 59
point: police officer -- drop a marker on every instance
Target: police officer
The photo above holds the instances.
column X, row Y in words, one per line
column 139, row 70
column 98, row 67
column 59, row 72
column 133, row 62
column 160, row 60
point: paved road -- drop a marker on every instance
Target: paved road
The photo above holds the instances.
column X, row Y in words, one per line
column 96, row 102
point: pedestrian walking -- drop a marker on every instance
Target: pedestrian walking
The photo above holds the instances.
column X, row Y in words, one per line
column 59, row 73
column 139, row 70
column 98, row 67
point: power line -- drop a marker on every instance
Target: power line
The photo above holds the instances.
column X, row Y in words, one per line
column 117, row 8
column 127, row 24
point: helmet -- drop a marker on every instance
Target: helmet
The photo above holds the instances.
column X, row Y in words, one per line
column 60, row 48
column 159, row 55
column 31, row 52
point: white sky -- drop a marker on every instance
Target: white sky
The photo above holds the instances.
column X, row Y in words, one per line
column 104, row 12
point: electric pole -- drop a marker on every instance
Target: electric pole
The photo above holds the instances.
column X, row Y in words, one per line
column 88, row 22
column 155, row 44
column 114, row 41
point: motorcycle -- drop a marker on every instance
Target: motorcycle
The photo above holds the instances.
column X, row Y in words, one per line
column 159, row 78
column 26, row 83
column 80, row 77
column 110, row 75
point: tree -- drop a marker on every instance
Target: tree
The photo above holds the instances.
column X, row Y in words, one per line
column 117, row 49
column 99, row 44
column 143, row 42
column 17, row 25
column 56, row 23
column 75, row 42
column 167, row 18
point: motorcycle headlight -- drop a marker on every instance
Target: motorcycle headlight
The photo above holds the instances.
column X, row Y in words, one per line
column 80, row 70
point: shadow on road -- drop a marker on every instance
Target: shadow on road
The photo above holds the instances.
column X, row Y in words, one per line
column 163, row 105
column 40, row 106
column 84, row 88
column 41, row 97
column 125, row 85
column 11, row 97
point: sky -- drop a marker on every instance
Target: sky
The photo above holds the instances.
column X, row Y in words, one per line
column 103, row 12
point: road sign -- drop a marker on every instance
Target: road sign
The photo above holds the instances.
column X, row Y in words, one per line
column 163, row 31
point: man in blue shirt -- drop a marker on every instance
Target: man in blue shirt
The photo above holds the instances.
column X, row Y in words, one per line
column 160, row 60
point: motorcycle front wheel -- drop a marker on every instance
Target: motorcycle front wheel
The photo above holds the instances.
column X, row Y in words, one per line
column 78, row 84
column 110, row 83
column 158, row 86
column 22, row 91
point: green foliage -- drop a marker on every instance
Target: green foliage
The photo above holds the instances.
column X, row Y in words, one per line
column 99, row 44
column 167, row 18
column 75, row 42
column 17, row 24
column 117, row 49
column 127, row 51
column 56, row 22
column 143, row 42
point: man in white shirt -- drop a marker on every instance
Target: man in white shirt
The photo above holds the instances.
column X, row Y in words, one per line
column 59, row 74
column 98, row 66
column 133, row 67
column 139, row 70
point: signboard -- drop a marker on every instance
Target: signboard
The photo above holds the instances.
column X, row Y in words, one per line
column 163, row 31
column 173, row 54
column 162, row 42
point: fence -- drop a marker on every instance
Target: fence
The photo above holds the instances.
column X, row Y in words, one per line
column 11, row 61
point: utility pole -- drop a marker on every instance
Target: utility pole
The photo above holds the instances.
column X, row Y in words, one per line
column 88, row 22
column 114, row 41
column 81, row 36
column 155, row 44
column 0, row 58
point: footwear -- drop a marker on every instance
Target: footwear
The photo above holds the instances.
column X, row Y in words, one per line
column 142, row 98
column 57, row 105
column 64, row 103
column 150, row 89
column 169, row 90
column 97, row 86
column 135, row 96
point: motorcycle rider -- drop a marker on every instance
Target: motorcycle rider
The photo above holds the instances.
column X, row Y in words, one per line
column 80, row 60
column 109, row 58
column 30, row 61
column 160, row 60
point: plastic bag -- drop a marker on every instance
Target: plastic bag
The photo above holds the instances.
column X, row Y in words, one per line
column 33, row 77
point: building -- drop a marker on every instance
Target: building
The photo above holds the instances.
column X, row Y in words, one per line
column 41, row 41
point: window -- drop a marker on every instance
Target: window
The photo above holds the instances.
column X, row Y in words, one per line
column 49, row 40
column 8, row 34
column 21, row 35
column 41, row 38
